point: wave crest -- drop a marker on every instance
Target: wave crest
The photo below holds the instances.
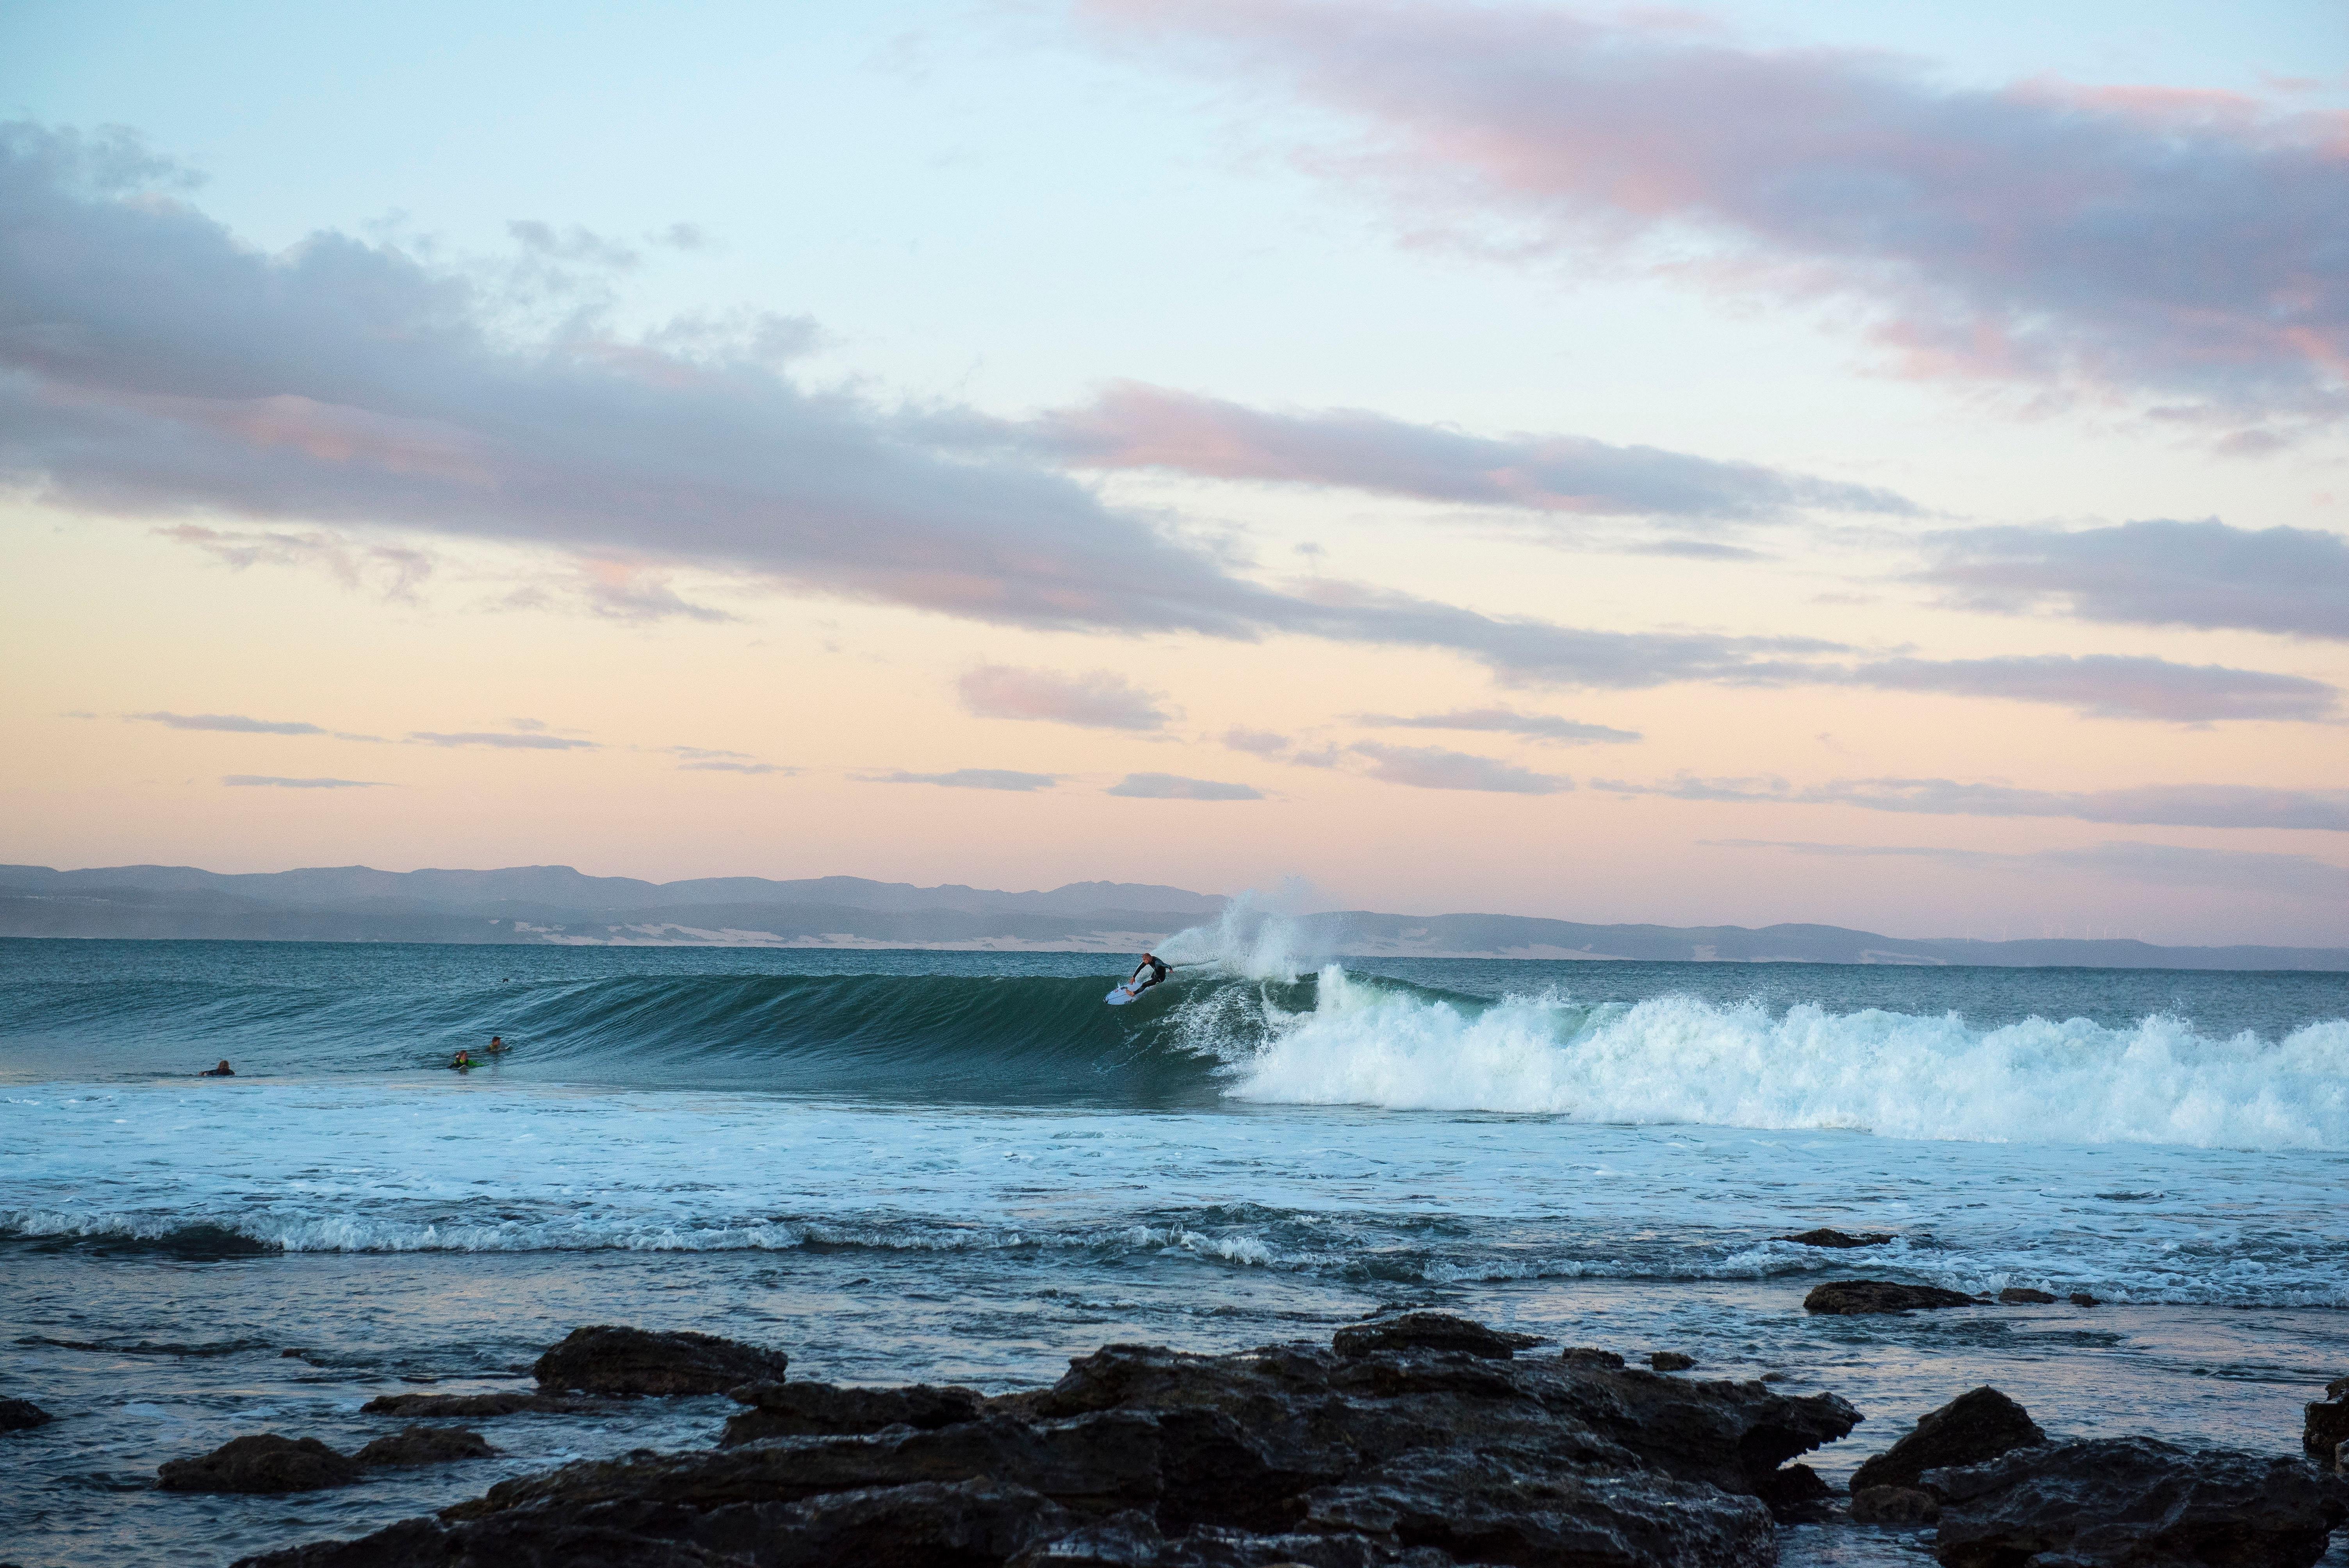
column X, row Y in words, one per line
column 1680, row 1059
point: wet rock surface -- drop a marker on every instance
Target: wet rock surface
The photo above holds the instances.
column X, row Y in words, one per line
column 2023, row 1296
column 2133, row 1502
column 1795, row 1492
column 1672, row 1361
column 1824, row 1237
column 1970, row 1429
column 414, row 1445
column 1521, row 1506
column 1430, row 1331
column 1132, row 1540
column 607, row 1360
column 22, row 1415
column 1420, row 1441
column 2326, row 1426
column 264, row 1463
column 1858, row 1298
column 812, row 1409
column 479, row 1407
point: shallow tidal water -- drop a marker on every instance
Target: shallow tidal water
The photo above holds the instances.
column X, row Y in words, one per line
column 963, row 1167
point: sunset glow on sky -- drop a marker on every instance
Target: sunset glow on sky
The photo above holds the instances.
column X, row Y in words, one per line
column 1753, row 462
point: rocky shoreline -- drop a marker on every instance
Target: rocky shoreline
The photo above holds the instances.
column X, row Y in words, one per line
column 1418, row 1439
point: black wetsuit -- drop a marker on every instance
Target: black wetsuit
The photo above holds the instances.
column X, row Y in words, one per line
column 1157, row 973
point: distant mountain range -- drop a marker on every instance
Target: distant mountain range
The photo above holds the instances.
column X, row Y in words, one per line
column 558, row 906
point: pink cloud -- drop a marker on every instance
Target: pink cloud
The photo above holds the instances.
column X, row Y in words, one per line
column 1135, row 426
column 1099, row 699
column 2141, row 241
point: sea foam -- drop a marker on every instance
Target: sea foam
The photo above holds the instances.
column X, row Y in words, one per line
column 1680, row 1059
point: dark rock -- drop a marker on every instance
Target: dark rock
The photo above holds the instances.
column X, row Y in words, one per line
column 2022, row 1296
column 474, row 1406
column 513, row 1542
column 2133, row 1502
column 2326, row 1428
column 1858, row 1298
column 265, row 1462
column 1894, row 1505
column 1430, row 1331
column 22, row 1415
column 425, row 1446
column 973, row 1523
column 1321, row 1411
column 1186, row 1465
column 1519, row 1506
column 1824, row 1237
column 1409, row 1453
column 811, row 1409
column 1968, row 1430
column 1793, row 1493
column 980, row 1522
column 1132, row 1540
column 606, row 1359
column 2337, row 1389
column 1672, row 1361
column 1589, row 1356
column 2082, row 1298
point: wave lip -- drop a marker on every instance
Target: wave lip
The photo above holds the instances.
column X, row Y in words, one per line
column 1679, row 1059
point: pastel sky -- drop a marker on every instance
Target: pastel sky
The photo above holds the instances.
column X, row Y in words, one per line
column 1744, row 462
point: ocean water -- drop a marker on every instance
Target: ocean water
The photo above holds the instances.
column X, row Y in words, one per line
column 962, row 1167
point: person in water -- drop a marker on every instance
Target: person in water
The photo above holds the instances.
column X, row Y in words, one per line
column 497, row 1046
column 464, row 1061
column 1156, row 968
column 223, row 1070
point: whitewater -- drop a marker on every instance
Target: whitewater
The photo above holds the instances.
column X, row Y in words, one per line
column 962, row 1167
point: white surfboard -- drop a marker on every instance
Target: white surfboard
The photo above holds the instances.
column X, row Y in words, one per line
column 1120, row 996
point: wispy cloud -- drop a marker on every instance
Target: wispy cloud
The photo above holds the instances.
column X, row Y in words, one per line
column 707, row 760
column 501, row 739
column 2111, row 685
column 263, row 781
column 392, row 571
column 2146, row 805
column 2169, row 246
column 1134, row 426
column 1434, row 768
column 1503, row 721
column 1173, row 787
column 638, row 591
column 969, row 779
column 1098, row 700
column 1255, row 742
column 2157, row 865
column 230, row 723
column 2156, row 572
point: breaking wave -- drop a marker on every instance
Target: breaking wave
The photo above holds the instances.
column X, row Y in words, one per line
column 1243, row 1025
column 1680, row 1059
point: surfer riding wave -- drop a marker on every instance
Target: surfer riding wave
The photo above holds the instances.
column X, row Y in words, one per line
column 1150, row 971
